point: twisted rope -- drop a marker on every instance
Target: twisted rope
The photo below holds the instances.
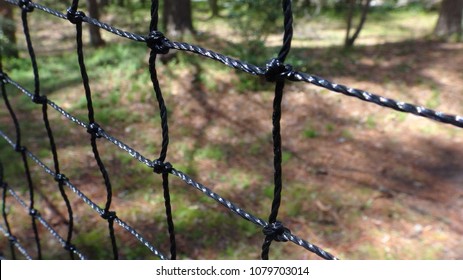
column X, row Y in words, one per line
column 274, row 73
column 155, row 43
column 76, row 18
column 6, row 232
column 27, row 7
column 18, row 148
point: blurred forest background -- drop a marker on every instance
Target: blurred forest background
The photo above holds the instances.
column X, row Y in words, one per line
column 360, row 181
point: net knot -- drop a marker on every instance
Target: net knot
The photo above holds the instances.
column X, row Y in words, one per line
column 109, row 215
column 26, row 5
column 276, row 231
column 94, row 128
column 60, row 178
column 19, row 148
column 12, row 239
column 3, row 76
column 157, row 42
column 34, row 213
column 69, row 247
column 75, row 16
column 39, row 99
column 276, row 70
column 162, row 167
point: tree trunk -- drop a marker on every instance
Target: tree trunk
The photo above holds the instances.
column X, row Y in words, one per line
column 349, row 41
column 214, row 5
column 104, row 3
column 450, row 19
column 95, row 33
column 350, row 16
column 177, row 18
column 8, row 29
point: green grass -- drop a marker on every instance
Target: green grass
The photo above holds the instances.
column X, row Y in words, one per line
column 286, row 157
column 268, row 191
column 310, row 133
column 348, row 135
column 238, row 179
column 210, row 152
column 91, row 241
column 434, row 100
column 370, row 122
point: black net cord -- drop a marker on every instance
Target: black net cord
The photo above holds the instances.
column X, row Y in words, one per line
column 76, row 17
column 162, row 106
column 25, row 10
column 155, row 39
column 9, row 108
column 60, row 182
column 43, row 101
column 21, row 150
column 4, row 187
column 288, row 27
column 276, row 164
column 169, row 218
column 3, row 184
column 74, row 5
column 275, row 70
column 31, row 202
